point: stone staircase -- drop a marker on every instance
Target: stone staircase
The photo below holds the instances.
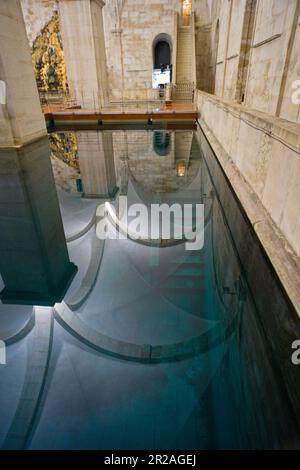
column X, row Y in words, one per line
column 186, row 62
column 185, row 286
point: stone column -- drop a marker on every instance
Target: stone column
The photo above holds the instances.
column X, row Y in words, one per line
column 96, row 162
column 34, row 261
column 21, row 119
column 82, row 33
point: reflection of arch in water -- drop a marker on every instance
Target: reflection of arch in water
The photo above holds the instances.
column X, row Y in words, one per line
column 122, row 349
column 149, row 193
column 143, row 353
column 162, row 142
column 124, row 230
column 147, row 197
column 23, row 331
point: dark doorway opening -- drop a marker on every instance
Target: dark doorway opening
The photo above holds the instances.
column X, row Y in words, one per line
column 162, row 55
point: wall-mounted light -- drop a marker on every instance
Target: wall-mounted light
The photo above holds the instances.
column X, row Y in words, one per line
column 187, row 6
column 186, row 12
column 181, row 169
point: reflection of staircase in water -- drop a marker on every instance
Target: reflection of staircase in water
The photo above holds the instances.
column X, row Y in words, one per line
column 185, row 286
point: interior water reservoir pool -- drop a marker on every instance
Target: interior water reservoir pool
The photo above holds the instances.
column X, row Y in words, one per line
column 155, row 346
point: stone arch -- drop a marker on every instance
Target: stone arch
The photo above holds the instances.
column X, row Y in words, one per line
column 162, row 49
column 162, row 54
column 162, row 38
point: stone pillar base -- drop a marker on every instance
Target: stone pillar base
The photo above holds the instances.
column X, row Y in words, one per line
column 34, row 262
column 108, row 196
column 48, row 299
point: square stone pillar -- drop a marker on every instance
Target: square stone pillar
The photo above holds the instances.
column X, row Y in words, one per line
column 82, row 34
column 21, row 119
column 96, row 162
column 34, row 260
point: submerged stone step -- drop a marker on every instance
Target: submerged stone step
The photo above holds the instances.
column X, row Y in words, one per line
column 190, row 271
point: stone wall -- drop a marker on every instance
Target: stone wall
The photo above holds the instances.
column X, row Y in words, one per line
column 37, row 13
column 65, row 176
column 130, row 29
column 273, row 27
column 153, row 170
column 272, row 63
column 263, row 57
column 266, row 150
column 203, row 44
column 21, row 119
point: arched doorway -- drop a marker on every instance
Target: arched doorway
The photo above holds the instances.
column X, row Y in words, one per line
column 162, row 61
column 162, row 54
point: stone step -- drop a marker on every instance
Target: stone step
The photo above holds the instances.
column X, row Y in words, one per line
column 196, row 291
column 189, row 271
column 191, row 261
column 185, row 58
column 183, row 283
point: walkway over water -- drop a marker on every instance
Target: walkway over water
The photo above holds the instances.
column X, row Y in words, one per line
column 183, row 113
